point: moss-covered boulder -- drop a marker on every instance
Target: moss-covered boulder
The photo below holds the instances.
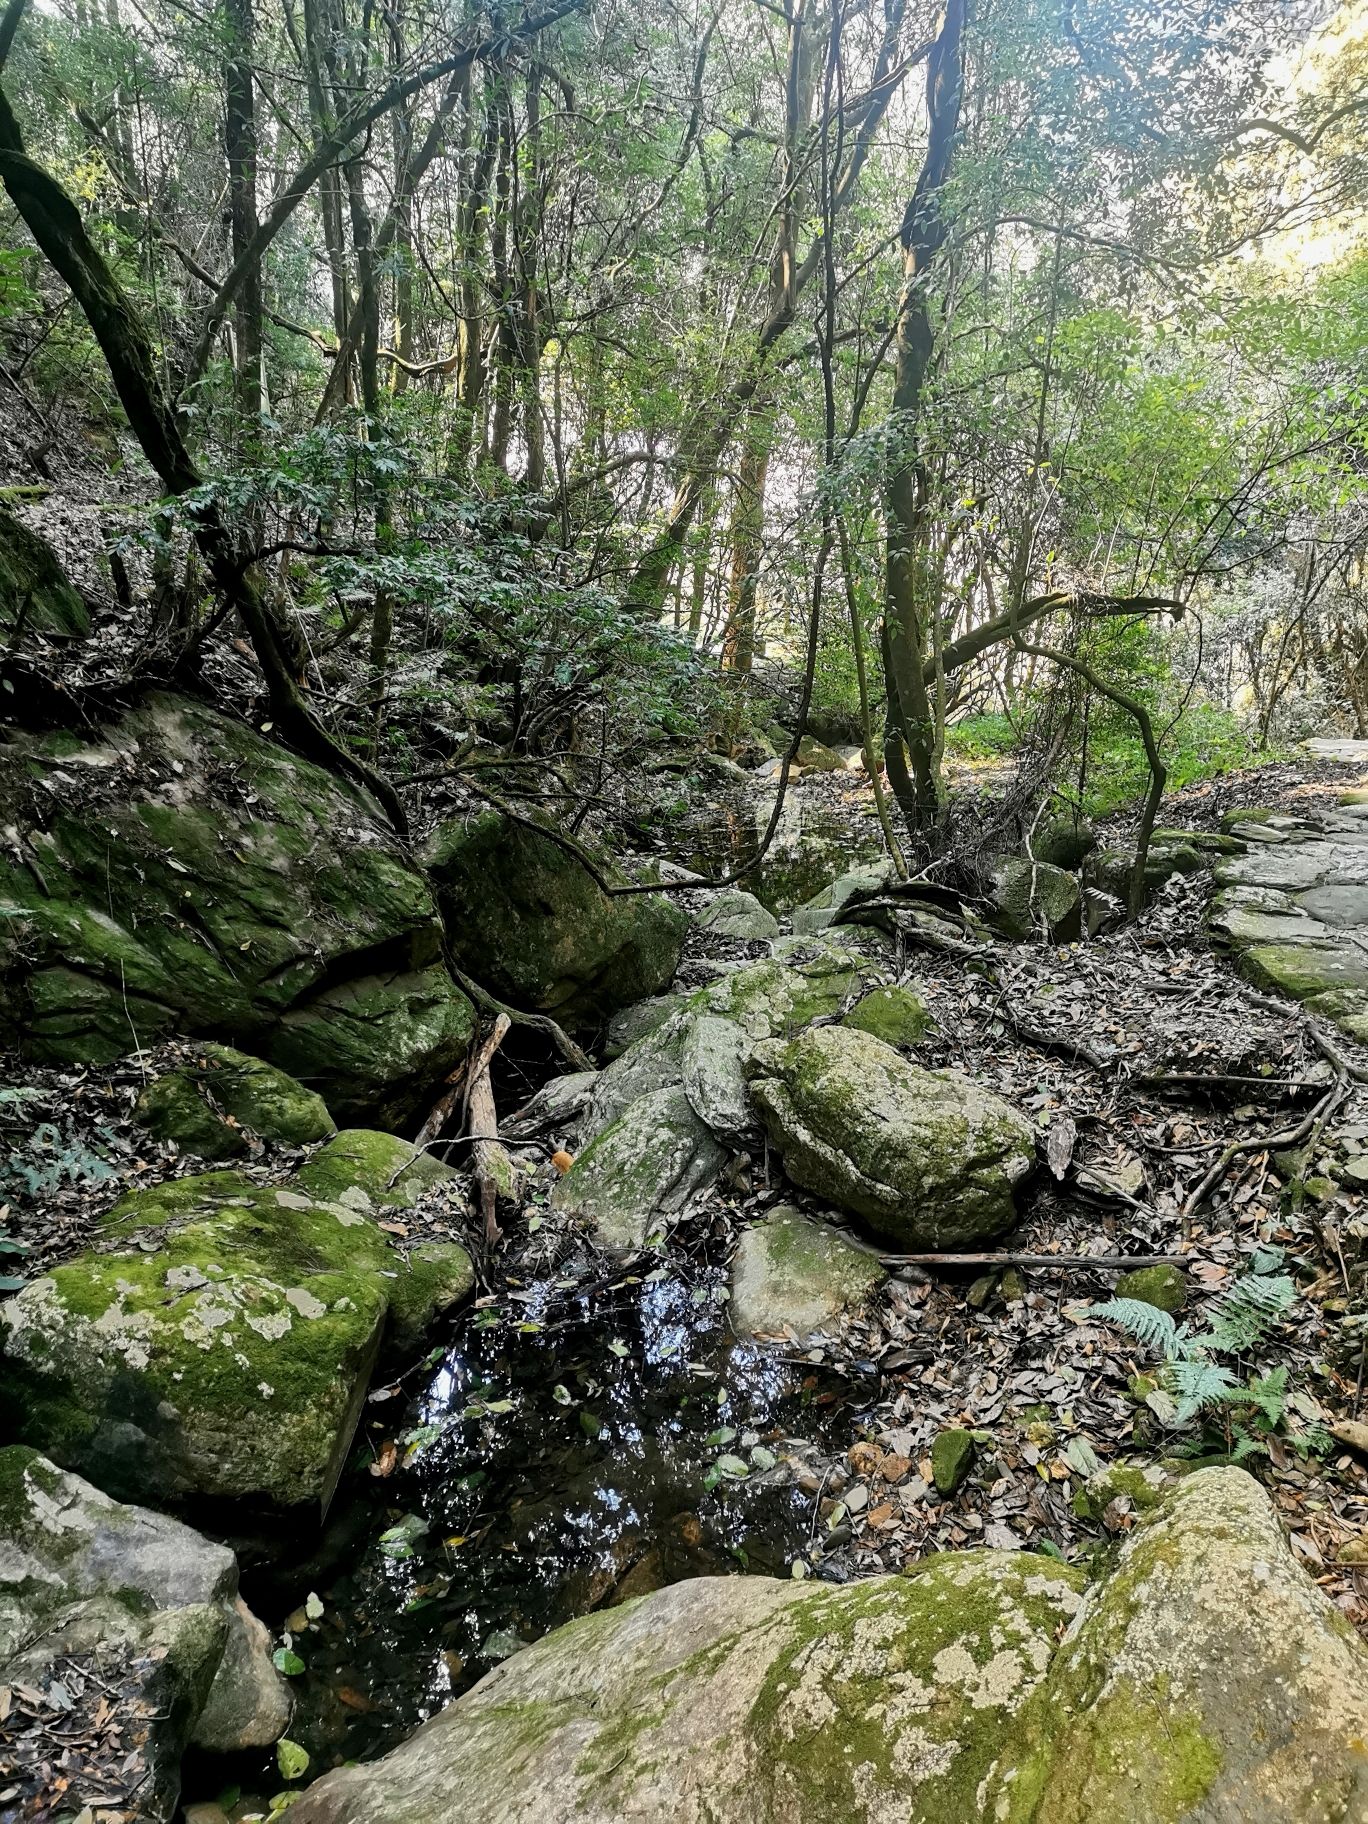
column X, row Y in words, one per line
column 174, row 870
column 1165, row 1288
column 897, row 1014
column 739, row 1700
column 35, row 597
column 1035, row 899
column 927, row 1158
column 1205, row 1681
column 524, row 917
column 1208, row 1679
column 82, row 1573
column 1063, row 837
column 221, row 1342
column 790, row 1273
column 777, row 997
column 952, row 1457
column 212, row 1102
column 641, row 1170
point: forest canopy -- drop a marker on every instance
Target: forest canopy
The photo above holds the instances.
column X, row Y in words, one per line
column 524, row 382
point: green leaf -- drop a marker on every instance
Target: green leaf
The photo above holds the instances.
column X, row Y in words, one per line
column 590, row 1423
column 292, row 1760
column 285, row 1660
column 734, row 1467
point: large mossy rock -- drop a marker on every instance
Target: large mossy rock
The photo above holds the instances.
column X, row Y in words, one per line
column 790, row 1273
column 82, row 1575
column 221, row 1343
column 641, row 1170
column 738, row 1700
column 35, row 596
column 177, row 871
column 1205, row 1681
column 926, row 1158
column 211, row 1103
column 525, row 918
column 659, row 1119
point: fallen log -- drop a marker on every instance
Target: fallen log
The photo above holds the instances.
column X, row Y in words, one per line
column 1106, row 1262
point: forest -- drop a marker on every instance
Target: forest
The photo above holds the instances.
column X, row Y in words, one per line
column 683, row 911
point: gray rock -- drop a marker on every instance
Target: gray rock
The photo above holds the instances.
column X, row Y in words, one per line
column 738, row 915
column 1034, row 899
column 639, row 1021
column 735, row 1700
column 249, row 1702
column 806, row 981
column 927, row 1158
column 555, row 1108
column 790, row 1273
column 819, row 912
column 1206, row 1680
column 1295, row 914
column 712, row 1065
column 641, row 1170
column 80, row 1572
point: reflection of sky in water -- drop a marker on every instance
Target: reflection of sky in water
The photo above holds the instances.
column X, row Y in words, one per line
column 534, row 1514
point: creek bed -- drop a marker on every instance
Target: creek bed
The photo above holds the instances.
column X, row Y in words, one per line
column 576, row 1445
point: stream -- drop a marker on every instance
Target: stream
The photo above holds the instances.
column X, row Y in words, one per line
column 578, row 1443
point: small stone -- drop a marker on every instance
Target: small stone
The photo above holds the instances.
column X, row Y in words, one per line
column 1163, row 1287
column 736, row 914
column 952, row 1457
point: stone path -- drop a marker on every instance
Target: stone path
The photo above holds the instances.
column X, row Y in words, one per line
column 1294, row 906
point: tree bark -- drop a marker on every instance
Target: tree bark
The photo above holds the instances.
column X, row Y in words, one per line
column 908, row 608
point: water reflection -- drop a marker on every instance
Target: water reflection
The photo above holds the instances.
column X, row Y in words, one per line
column 569, row 1451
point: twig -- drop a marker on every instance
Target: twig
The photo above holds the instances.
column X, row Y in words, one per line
column 1311, row 1123
column 537, row 1022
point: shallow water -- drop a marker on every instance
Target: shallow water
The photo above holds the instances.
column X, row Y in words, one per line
column 567, row 1451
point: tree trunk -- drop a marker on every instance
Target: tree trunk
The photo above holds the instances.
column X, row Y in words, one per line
column 241, row 147
column 747, row 541
column 911, row 613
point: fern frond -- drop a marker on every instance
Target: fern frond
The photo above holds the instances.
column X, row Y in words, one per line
column 1269, row 1393
column 1198, row 1384
column 1246, row 1446
column 1248, row 1312
column 1144, row 1322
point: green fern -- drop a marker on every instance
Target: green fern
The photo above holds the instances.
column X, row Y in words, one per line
column 1269, row 1393
column 1193, row 1381
column 1197, row 1385
column 1247, row 1313
column 1146, row 1323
